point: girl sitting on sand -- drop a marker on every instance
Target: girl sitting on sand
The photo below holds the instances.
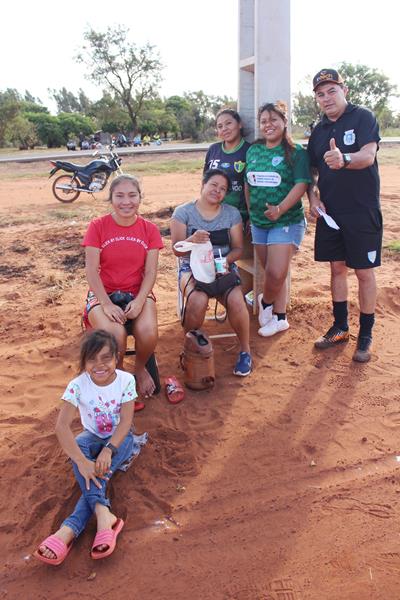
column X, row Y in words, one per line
column 105, row 398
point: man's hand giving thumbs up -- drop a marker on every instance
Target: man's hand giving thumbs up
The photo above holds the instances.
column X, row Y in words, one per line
column 334, row 158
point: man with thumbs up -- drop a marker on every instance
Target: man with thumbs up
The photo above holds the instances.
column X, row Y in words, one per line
column 342, row 150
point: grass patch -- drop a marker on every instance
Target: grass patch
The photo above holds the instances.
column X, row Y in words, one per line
column 189, row 165
column 77, row 214
column 393, row 246
column 7, row 220
column 389, row 154
column 27, row 175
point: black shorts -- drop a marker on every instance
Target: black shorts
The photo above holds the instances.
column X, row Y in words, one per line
column 358, row 242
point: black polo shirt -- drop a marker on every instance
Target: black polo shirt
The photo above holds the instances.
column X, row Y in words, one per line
column 346, row 191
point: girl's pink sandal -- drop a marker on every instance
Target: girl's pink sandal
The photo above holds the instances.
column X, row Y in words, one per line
column 106, row 537
column 60, row 549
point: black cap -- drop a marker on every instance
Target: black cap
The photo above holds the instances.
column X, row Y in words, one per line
column 326, row 76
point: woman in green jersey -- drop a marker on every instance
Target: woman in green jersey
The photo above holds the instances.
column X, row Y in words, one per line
column 277, row 174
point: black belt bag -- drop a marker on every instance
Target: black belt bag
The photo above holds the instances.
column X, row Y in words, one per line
column 121, row 299
column 219, row 287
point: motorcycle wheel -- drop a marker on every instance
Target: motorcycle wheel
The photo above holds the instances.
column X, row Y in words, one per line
column 65, row 195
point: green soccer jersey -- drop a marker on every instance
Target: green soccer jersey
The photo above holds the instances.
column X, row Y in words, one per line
column 270, row 178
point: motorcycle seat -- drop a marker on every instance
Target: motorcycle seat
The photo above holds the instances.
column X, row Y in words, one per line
column 69, row 166
column 62, row 164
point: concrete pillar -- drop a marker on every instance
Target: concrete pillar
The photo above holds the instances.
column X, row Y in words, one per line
column 264, row 76
column 264, row 57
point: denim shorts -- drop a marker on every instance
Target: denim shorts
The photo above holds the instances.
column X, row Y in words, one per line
column 288, row 234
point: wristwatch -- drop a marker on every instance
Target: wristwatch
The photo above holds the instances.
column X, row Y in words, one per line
column 346, row 160
column 113, row 448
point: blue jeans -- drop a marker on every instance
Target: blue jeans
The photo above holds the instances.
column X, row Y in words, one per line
column 91, row 446
column 286, row 235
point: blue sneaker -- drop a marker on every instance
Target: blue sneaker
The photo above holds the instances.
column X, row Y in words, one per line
column 243, row 365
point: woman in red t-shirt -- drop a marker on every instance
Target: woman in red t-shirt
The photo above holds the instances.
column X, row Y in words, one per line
column 121, row 262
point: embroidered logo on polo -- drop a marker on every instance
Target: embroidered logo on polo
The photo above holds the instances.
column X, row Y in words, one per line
column 372, row 256
column 264, row 178
column 276, row 160
column 349, row 137
column 225, row 165
column 239, row 165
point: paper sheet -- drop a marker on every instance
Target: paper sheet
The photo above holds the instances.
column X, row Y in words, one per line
column 327, row 218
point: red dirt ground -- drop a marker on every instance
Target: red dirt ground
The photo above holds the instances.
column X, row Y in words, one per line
column 281, row 486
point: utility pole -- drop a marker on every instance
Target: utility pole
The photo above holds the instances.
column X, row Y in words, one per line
column 264, row 57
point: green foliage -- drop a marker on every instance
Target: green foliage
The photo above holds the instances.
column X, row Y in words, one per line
column 71, row 125
column 68, row 102
column 195, row 113
column 22, row 133
column 394, row 246
column 26, row 106
column 367, row 87
column 110, row 115
column 305, row 110
column 15, row 127
column 129, row 72
column 48, row 129
column 9, row 108
column 156, row 118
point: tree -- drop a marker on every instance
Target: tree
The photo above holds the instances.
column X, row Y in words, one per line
column 131, row 73
column 9, row 108
column 84, row 102
column 157, row 117
column 68, row 102
column 367, row 87
column 22, row 133
column 48, row 129
column 195, row 113
column 73, row 124
column 305, row 109
column 109, row 114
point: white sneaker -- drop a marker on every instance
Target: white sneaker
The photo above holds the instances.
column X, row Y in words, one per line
column 273, row 326
column 264, row 314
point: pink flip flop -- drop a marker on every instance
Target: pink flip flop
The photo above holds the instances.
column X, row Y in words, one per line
column 107, row 537
column 60, row 549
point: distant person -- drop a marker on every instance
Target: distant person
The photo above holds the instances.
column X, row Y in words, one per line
column 278, row 174
column 209, row 219
column 342, row 150
column 146, row 140
column 230, row 155
column 121, row 268
column 104, row 397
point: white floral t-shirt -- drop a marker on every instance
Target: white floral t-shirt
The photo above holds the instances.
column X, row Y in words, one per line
column 100, row 406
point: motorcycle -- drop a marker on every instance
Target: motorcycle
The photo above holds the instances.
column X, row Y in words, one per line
column 90, row 178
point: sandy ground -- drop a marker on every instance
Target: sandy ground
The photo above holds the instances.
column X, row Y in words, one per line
column 282, row 486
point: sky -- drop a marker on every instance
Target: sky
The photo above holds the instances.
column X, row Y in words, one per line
column 197, row 41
